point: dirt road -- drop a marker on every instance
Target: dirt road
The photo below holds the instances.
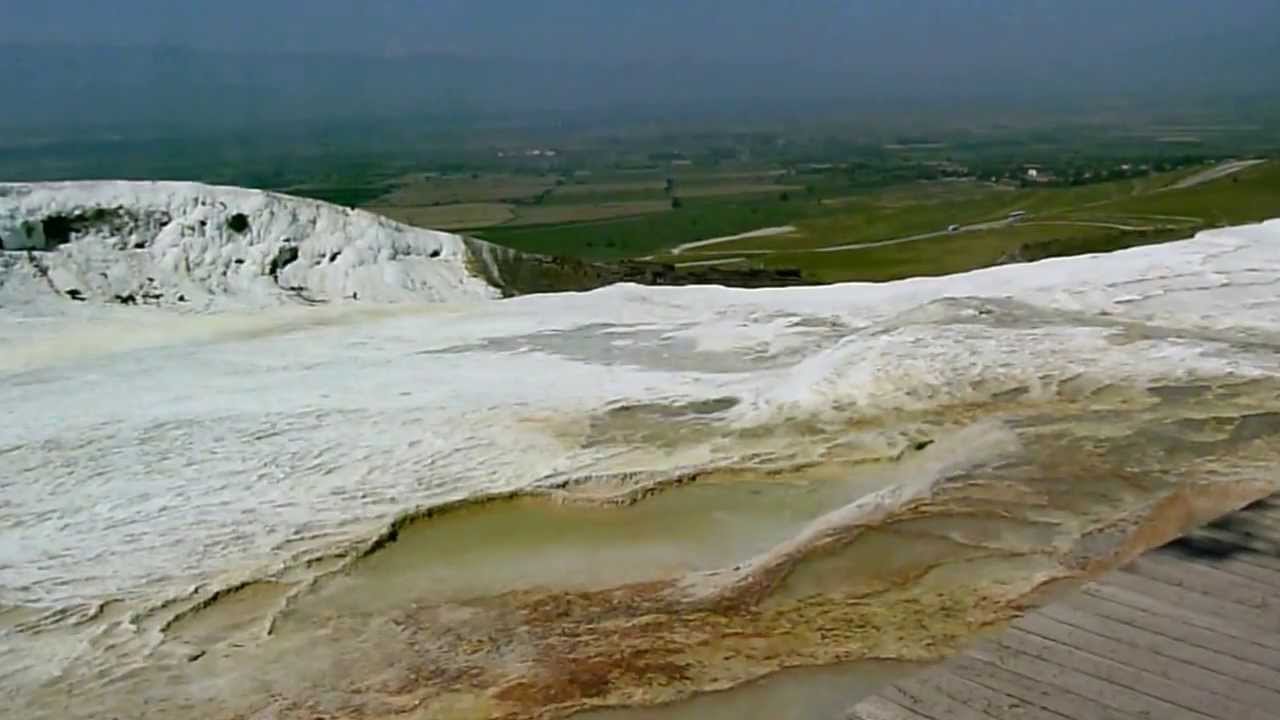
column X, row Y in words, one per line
column 1217, row 171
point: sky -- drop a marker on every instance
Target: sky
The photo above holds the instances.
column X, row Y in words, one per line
column 247, row 61
column 818, row 33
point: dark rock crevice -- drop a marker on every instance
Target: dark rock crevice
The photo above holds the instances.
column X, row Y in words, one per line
column 52, row 231
column 41, row 270
column 238, row 223
column 58, row 229
column 285, row 256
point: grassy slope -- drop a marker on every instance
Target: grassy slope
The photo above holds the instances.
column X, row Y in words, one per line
column 1251, row 196
column 867, row 217
column 829, row 215
column 700, row 218
column 935, row 256
column 866, row 221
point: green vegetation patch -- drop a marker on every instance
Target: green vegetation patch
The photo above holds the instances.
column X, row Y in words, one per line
column 696, row 219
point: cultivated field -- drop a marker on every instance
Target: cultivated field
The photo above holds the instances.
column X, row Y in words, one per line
column 456, row 216
column 868, row 240
column 858, row 209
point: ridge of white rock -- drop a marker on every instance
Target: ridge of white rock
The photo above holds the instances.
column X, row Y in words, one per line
column 206, row 247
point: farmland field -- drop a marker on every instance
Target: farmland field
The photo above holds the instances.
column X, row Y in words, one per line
column 903, row 240
column 865, row 204
column 456, row 216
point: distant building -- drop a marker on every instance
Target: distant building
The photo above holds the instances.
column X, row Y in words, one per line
column 1036, row 174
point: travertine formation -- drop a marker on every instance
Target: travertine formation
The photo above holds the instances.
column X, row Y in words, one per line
column 634, row 502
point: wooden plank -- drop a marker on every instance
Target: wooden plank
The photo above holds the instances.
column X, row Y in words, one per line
column 1145, row 603
column 1262, row 525
column 1233, row 564
column 1126, row 649
column 1032, row 690
column 929, row 702
column 1258, row 559
column 1195, row 602
column 1263, row 569
column 1117, row 697
column 1176, row 635
column 1269, row 509
column 1206, row 581
column 1197, row 594
column 877, row 708
column 1262, row 531
column 1242, row 553
column 991, row 702
column 1184, row 641
column 1247, row 545
column 1258, row 515
column 1136, row 679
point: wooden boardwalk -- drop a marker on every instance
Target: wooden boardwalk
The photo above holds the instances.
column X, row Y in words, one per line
column 1190, row 631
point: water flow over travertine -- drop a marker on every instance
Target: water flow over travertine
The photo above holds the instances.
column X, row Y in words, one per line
column 548, row 604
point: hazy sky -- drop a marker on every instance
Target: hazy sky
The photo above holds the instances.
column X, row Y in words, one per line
column 824, row 33
column 124, row 62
